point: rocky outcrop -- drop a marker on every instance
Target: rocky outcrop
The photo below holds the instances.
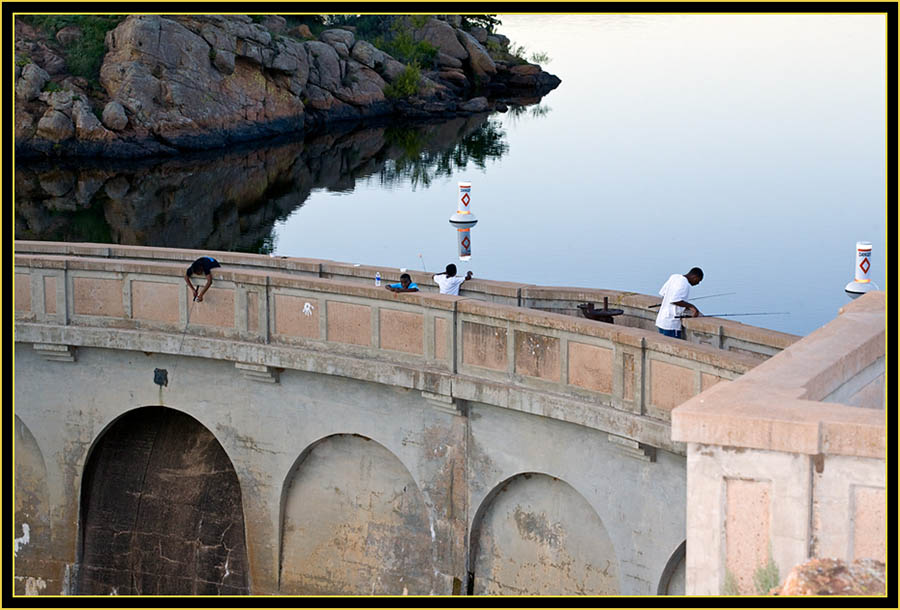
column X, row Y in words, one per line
column 202, row 81
column 835, row 577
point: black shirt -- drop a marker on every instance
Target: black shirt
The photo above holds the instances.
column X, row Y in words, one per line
column 203, row 265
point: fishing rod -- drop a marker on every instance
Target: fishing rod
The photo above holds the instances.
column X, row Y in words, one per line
column 423, row 262
column 729, row 315
column 709, row 296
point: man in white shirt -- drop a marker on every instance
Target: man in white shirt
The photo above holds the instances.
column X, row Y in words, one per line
column 674, row 295
column 448, row 282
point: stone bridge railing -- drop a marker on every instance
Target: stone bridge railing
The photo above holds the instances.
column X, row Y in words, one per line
column 268, row 314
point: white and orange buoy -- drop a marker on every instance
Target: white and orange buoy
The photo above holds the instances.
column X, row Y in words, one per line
column 861, row 283
column 464, row 220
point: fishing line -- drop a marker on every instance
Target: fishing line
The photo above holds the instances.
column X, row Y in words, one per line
column 728, row 315
column 709, row 296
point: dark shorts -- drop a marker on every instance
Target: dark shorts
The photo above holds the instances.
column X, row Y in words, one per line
column 677, row 334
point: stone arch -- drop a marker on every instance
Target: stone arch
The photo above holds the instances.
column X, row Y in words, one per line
column 354, row 522
column 161, row 510
column 32, row 517
column 534, row 534
column 671, row 582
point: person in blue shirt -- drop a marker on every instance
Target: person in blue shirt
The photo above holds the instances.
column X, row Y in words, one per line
column 203, row 265
column 406, row 285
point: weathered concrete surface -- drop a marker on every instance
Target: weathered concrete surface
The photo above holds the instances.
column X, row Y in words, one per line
column 369, row 531
column 161, row 511
column 405, row 415
column 355, row 523
column 801, row 474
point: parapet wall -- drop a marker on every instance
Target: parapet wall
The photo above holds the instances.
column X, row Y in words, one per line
column 788, row 462
column 267, row 314
column 637, row 312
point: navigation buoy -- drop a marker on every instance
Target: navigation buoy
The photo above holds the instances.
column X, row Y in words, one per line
column 464, row 220
column 861, row 283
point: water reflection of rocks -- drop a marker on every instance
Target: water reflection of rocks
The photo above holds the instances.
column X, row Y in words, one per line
column 231, row 201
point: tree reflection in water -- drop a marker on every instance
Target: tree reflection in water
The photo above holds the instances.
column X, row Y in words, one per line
column 421, row 164
column 232, row 200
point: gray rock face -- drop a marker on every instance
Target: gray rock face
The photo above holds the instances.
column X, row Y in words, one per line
column 114, row 116
column 479, row 60
column 87, row 125
column 447, row 61
column 32, row 81
column 499, row 39
column 392, row 69
column 58, row 100
column 55, row 126
column 274, row 23
column 333, row 36
column 442, row 35
column 479, row 33
column 224, row 61
column 324, row 65
column 366, row 54
column 364, row 87
column 160, row 70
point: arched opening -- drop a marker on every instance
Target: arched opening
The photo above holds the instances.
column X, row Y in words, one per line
column 534, row 534
column 32, row 518
column 671, row 582
column 354, row 523
column 161, row 511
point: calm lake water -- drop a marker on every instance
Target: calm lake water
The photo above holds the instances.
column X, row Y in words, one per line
column 752, row 146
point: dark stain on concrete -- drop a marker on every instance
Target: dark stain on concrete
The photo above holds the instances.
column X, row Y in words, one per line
column 161, row 511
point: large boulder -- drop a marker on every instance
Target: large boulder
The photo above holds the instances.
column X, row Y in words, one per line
column 367, row 54
column 87, row 125
column 69, row 34
column 447, row 61
column 324, row 65
column 58, row 100
column 114, row 116
column 479, row 33
column 274, row 23
column 443, row 36
column 480, row 61
column 31, row 82
column 341, row 36
column 55, row 126
column 835, row 577
column 301, row 31
column 365, row 86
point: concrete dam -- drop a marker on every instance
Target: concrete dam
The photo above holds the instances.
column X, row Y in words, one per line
column 302, row 431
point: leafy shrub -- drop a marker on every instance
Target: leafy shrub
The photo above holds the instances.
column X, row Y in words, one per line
column 52, row 87
column 404, row 48
column 406, row 84
column 83, row 56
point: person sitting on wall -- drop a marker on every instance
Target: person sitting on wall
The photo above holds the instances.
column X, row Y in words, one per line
column 449, row 282
column 674, row 295
column 203, row 265
column 405, row 285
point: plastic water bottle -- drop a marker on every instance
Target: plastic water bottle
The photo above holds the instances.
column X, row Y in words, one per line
column 378, row 278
